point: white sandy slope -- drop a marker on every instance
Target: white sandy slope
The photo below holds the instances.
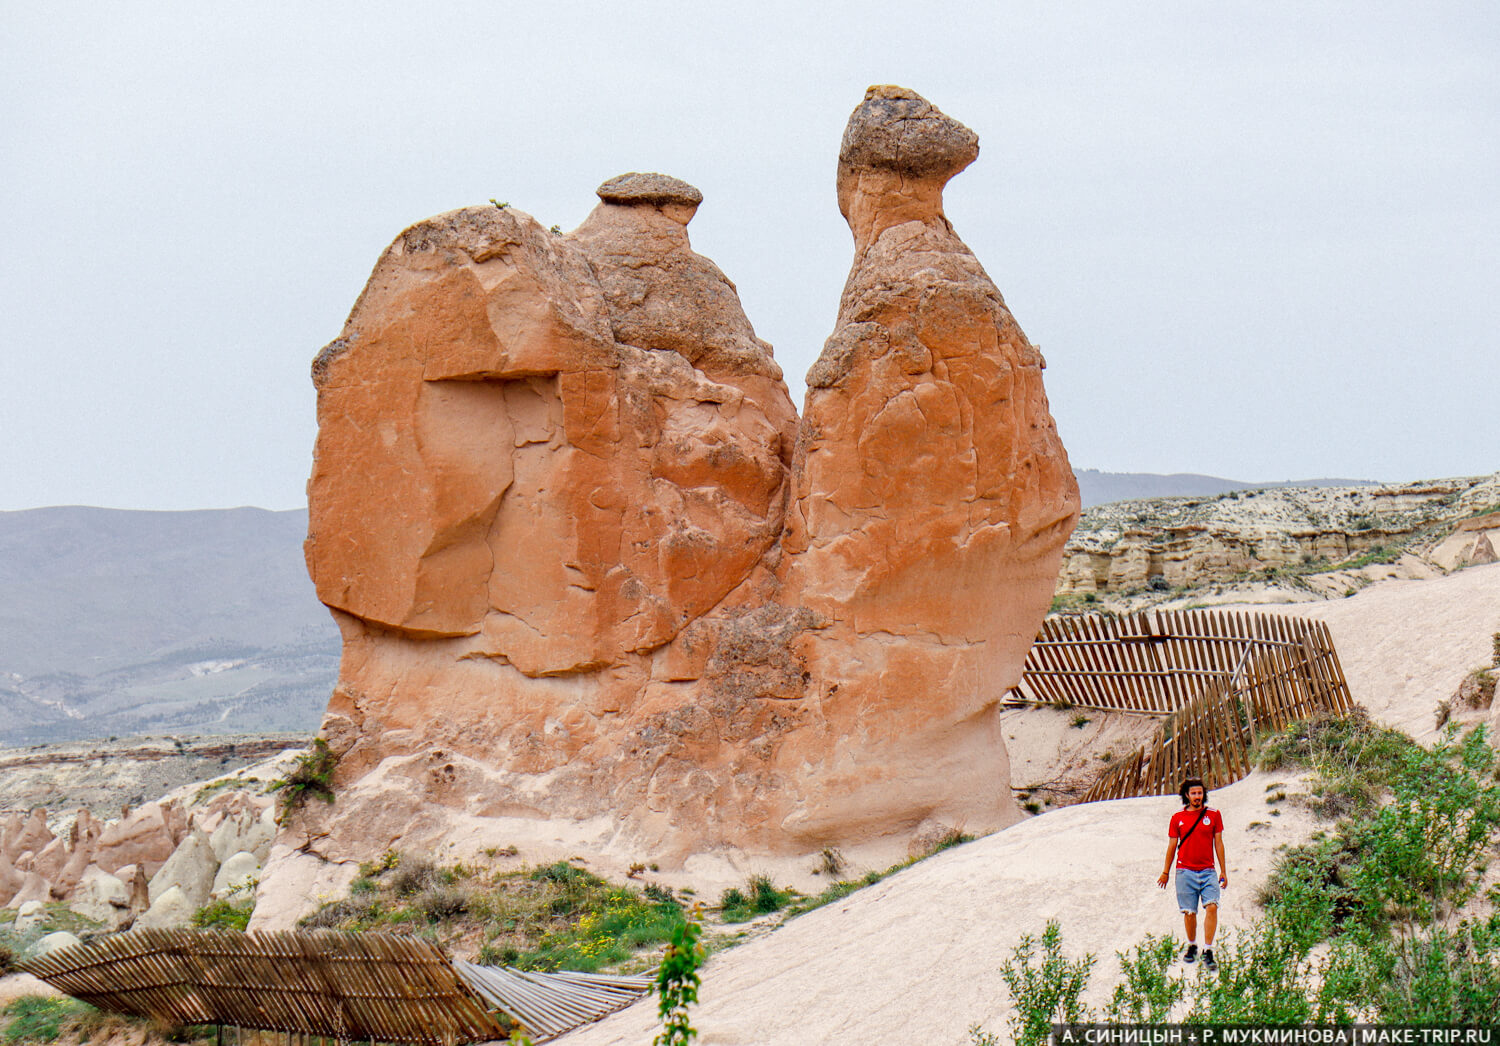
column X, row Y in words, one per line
column 1406, row 645
column 916, row 958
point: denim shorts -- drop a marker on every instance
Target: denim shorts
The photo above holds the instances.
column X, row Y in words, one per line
column 1195, row 885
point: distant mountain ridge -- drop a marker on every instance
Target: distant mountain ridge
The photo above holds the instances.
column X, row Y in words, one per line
column 116, row 622
column 1100, row 488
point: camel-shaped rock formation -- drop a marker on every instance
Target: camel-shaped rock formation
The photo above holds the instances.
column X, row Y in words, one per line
column 591, row 569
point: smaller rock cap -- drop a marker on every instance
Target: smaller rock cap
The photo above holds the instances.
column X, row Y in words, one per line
column 897, row 129
column 650, row 188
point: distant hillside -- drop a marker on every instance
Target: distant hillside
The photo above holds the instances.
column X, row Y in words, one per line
column 1286, row 534
column 1100, row 488
column 121, row 623
column 116, row 623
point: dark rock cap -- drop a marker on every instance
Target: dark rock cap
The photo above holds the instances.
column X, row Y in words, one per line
column 899, row 130
column 648, row 188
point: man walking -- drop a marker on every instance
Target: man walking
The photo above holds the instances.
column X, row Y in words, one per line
column 1197, row 835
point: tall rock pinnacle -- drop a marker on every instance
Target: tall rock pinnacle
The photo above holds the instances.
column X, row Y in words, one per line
column 595, row 578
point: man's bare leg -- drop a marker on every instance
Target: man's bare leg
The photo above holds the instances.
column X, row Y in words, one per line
column 1210, row 924
column 1190, row 924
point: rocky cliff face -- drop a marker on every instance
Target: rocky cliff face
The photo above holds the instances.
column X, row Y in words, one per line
column 591, row 570
column 1189, row 542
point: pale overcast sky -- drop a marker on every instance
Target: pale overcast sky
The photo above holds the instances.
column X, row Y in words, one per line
column 1258, row 240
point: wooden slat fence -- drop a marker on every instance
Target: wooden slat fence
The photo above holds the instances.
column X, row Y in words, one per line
column 337, row 985
column 1219, row 676
column 341, row 986
column 1298, row 677
column 1154, row 662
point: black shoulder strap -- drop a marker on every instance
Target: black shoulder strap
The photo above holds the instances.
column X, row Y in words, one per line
column 1201, row 814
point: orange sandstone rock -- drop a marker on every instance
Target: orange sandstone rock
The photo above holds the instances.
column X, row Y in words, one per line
column 549, row 510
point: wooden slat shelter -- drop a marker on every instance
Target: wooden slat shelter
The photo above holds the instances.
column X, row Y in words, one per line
column 1157, row 661
column 1218, row 677
column 342, row 986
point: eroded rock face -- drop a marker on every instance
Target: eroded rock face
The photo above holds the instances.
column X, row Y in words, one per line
column 549, row 509
column 932, row 496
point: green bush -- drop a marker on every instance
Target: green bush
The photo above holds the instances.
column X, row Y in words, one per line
column 311, row 775
column 677, row 982
column 1438, row 977
column 760, row 897
column 225, row 915
column 1044, row 989
column 1147, row 994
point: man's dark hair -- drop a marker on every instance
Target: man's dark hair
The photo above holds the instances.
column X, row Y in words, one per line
column 1189, row 783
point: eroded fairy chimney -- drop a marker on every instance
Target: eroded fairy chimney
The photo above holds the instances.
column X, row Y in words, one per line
column 594, row 577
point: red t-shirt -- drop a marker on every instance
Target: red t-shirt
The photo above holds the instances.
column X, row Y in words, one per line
column 1197, row 850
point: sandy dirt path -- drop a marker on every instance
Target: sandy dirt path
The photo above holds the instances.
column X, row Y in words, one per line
column 916, row 958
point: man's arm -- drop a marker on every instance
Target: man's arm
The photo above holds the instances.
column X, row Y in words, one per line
column 1223, row 864
column 1166, row 871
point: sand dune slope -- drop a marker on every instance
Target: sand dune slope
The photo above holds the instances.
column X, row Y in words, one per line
column 1406, row 645
column 916, row 958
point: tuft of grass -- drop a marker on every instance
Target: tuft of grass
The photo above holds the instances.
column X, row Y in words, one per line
column 760, row 897
column 552, row 917
column 213, row 788
column 39, row 1019
column 1353, row 758
column 413, row 876
column 225, row 915
column 831, row 862
column 948, row 840
column 310, row 775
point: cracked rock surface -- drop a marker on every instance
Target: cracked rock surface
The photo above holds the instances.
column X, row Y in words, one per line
column 591, row 569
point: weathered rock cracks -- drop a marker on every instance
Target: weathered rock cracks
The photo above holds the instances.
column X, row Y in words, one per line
column 591, row 569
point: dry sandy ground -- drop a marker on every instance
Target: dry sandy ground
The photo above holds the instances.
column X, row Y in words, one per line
column 916, row 958
column 1406, row 645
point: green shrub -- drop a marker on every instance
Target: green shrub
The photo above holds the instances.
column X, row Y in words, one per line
column 1443, row 976
column 311, row 775
column 1262, row 979
column 225, row 915
column 677, row 982
column 760, row 897
column 1148, row 993
column 1044, row 992
column 1353, row 758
